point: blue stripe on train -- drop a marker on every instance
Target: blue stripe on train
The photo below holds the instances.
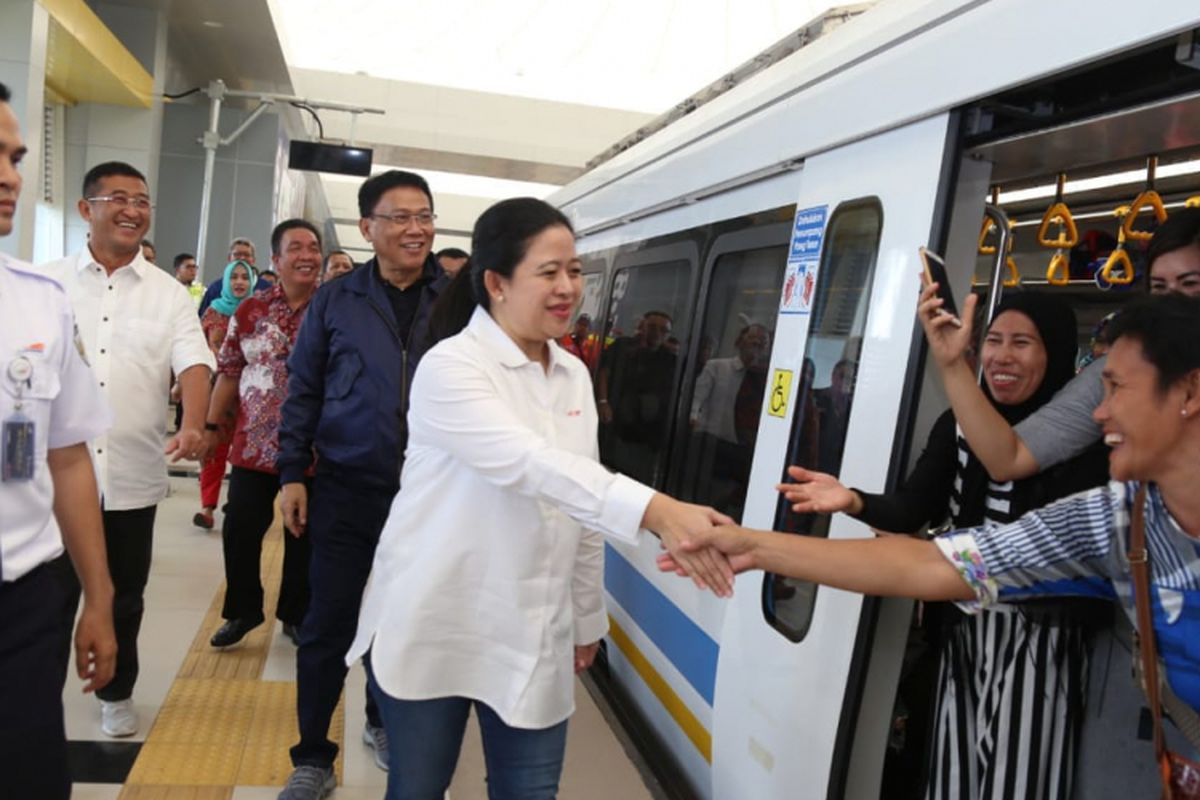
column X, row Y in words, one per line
column 692, row 651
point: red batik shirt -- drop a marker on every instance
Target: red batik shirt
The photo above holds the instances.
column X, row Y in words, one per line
column 260, row 338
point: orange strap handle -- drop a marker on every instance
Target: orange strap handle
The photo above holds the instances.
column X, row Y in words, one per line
column 1059, row 272
column 1147, row 199
column 1119, row 259
column 1068, row 234
column 1014, row 276
column 988, row 227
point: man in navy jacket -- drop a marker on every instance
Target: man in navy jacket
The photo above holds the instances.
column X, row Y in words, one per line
column 348, row 387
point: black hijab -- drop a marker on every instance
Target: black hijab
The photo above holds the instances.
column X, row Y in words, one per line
column 1055, row 324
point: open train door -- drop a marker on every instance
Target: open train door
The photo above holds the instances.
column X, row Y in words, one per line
column 790, row 675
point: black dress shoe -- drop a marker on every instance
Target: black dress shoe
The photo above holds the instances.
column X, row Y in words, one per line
column 292, row 632
column 233, row 631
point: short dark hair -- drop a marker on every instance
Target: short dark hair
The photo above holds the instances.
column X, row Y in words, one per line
column 91, row 181
column 5, row 95
column 1168, row 329
column 1182, row 229
column 452, row 252
column 287, row 225
column 182, row 257
column 377, row 186
column 502, row 235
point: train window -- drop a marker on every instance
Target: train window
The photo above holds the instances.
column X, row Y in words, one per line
column 818, row 435
column 583, row 339
column 733, row 353
column 637, row 379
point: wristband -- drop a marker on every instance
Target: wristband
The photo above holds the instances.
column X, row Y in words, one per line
column 212, row 426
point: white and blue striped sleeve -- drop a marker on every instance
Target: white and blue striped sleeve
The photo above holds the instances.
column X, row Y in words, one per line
column 1066, row 548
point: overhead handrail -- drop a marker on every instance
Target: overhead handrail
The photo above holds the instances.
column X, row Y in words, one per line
column 1148, row 199
column 1119, row 258
column 1058, row 214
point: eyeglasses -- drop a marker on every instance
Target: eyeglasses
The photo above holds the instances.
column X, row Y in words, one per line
column 403, row 219
column 122, row 201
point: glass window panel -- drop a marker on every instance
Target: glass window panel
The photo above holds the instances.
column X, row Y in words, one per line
column 730, row 378
column 583, row 338
column 826, row 392
column 637, row 382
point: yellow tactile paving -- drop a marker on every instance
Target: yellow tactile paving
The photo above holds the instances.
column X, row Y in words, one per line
column 273, row 730
column 176, row 793
column 220, row 725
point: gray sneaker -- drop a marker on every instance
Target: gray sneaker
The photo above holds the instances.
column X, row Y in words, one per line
column 309, row 783
column 376, row 739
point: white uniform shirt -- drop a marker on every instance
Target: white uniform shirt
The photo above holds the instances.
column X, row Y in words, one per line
column 60, row 397
column 489, row 569
column 137, row 326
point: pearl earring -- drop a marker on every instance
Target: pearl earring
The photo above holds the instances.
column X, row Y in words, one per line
column 1183, row 412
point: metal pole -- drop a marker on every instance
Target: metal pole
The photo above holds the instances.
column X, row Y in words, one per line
column 211, row 141
column 1000, row 220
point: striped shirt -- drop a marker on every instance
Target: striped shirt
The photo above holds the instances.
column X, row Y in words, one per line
column 1078, row 546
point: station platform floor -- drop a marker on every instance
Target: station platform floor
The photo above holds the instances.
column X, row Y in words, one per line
column 217, row 725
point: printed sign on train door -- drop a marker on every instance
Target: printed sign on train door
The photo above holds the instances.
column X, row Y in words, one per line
column 804, row 257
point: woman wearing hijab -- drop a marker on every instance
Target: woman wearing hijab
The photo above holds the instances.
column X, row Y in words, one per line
column 235, row 287
column 1011, row 688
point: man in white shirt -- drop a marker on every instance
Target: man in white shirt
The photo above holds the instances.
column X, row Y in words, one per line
column 137, row 324
column 49, row 407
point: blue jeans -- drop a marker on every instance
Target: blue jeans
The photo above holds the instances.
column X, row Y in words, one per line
column 425, row 736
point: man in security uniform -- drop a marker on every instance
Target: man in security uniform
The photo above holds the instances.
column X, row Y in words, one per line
column 50, row 406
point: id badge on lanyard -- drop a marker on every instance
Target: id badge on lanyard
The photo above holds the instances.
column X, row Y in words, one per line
column 18, row 432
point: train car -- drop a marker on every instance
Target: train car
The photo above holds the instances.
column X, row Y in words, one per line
column 758, row 258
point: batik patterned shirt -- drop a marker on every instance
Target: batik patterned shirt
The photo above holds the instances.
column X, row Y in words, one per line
column 260, row 338
column 1079, row 546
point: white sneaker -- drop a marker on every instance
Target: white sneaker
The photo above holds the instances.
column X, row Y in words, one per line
column 118, row 718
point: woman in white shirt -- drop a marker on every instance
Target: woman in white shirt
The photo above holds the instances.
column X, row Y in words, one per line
column 487, row 584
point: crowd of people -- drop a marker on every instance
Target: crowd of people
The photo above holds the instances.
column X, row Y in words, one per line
column 300, row 379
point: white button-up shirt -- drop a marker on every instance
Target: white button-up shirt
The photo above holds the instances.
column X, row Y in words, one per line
column 56, row 392
column 137, row 325
column 490, row 566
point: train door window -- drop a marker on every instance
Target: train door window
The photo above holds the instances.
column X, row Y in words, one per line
column 637, row 380
column 826, row 392
column 583, row 339
column 731, row 372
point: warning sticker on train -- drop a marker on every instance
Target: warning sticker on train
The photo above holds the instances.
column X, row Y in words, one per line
column 804, row 257
column 781, row 389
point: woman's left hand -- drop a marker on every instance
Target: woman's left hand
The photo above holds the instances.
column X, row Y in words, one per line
column 585, row 654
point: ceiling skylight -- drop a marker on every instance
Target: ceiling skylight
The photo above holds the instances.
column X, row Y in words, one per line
column 637, row 55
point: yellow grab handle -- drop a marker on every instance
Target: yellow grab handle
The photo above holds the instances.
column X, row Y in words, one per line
column 1059, row 272
column 1192, row 202
column 1147, row 199
column 1119, row 259
column 1014, row 277
column 1068, row 234
column 988, row 227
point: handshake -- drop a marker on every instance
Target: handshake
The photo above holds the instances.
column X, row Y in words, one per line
column 711, row 548
column 700, row 543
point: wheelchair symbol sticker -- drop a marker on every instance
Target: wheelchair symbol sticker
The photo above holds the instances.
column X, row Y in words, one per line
column 781, row 390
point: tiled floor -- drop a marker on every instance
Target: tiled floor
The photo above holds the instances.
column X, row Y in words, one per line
column 220, row 722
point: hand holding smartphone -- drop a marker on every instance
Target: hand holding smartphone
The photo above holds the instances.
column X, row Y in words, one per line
column 935, row 272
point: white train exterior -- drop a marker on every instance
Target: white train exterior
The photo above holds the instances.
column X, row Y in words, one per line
column 857, row 138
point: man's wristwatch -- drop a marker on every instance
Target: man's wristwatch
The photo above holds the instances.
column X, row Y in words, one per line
column 212, row 426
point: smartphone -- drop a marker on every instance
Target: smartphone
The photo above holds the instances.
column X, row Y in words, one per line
column 935, row 272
